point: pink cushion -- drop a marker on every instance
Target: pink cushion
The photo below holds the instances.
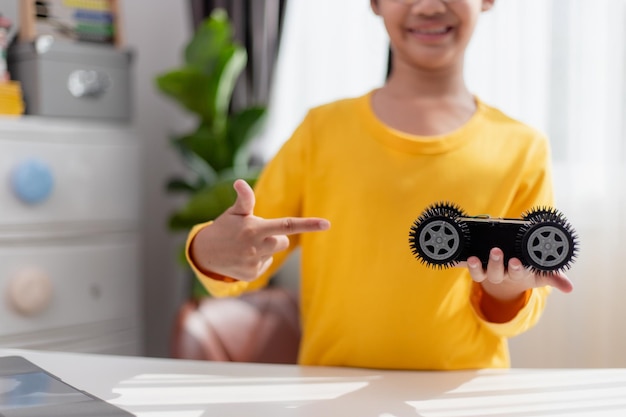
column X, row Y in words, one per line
column 261, row 326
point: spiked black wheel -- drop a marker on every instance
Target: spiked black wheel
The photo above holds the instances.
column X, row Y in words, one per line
column 438, row 236
column 547, row 242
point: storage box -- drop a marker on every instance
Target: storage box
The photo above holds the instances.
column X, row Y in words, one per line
column 73, row 79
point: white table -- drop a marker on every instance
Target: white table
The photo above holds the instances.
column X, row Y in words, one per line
column 150, row 387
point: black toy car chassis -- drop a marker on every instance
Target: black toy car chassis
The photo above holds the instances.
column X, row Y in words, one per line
column 542, row 239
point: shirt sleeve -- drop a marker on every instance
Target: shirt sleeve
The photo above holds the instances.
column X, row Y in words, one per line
column 526, row 318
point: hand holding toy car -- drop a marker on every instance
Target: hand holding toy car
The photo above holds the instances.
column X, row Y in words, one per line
column 518, row 254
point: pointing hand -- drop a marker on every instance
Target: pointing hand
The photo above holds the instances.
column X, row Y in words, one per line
column 240, row 245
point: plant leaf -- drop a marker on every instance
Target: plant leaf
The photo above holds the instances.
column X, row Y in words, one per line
column 179, row 185
column 194, row 157
column 212, row 148
column 198, row 291
column 234, row 63
column 212, row 36
column 190, row 88
column 208, row 203
column 205, row 205
column 242, row 129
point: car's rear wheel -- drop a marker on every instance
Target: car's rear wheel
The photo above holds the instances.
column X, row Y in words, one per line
column 438, row 236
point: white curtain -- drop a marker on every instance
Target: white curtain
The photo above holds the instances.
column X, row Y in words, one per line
column 559, row 65
column 329, row 49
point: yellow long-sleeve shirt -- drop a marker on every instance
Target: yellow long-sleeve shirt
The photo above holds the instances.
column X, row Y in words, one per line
column 365, row 300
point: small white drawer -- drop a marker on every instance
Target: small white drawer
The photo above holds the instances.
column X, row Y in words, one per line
column 68, row 282
column 59, row 172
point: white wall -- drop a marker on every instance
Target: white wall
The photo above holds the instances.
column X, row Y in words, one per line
column 157, row 31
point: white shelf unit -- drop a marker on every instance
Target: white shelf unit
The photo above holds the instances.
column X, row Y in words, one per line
column 69, row 236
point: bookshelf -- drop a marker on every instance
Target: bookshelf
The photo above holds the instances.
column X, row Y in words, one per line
column 95, row 21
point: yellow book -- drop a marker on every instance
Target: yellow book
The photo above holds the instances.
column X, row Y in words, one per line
column 104, row 5
column 11, row 98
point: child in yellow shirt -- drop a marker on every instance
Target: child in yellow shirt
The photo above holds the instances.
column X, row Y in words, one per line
column 369, row 165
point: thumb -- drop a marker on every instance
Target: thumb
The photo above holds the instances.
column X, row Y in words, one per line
column 559, row 281
column 244, row 205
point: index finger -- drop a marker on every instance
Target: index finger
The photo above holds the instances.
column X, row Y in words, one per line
column 293, row 225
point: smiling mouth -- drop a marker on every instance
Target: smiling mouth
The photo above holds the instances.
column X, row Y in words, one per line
column 432, row 31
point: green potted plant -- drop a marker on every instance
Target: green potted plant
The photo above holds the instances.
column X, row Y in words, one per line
column 217, row 151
